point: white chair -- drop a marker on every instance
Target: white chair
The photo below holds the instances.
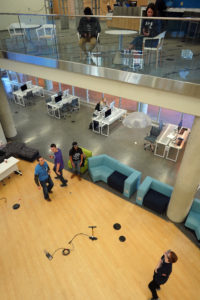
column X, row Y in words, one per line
column 79, row 37
column 17, row 29
column 46, row 31
column 158, row 48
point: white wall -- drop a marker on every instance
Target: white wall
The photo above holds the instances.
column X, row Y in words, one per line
column 19, row 6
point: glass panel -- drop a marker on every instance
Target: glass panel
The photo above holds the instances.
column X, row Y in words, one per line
column 172, row 50
column 188, row 120
column 110, row 98
column 94, row 97
column 80, row 92
column 153, row 112
column 130, row 105
column 67, row 87
column 170, row 116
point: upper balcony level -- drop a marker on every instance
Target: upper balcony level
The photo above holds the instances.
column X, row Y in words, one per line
column 168, row 60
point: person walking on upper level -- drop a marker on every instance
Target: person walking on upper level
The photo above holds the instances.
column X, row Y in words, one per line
column 162, row 272
column 43, row 178
column 88, row 29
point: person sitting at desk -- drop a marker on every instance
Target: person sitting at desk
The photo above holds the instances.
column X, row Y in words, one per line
column 101, row 104
column 150, row 28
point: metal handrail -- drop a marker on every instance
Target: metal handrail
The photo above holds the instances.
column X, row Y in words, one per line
column 103, row 16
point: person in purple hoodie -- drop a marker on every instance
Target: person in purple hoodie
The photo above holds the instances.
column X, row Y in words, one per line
column 58, row 164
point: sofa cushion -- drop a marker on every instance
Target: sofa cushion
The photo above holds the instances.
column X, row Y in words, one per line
column 116, row 181
column 100, row 173
column 156, row 201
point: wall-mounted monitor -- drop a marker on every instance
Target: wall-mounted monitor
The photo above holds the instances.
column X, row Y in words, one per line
column 108, row 113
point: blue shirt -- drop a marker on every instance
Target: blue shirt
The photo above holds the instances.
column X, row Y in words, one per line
column 42, row 171
column 58, row 159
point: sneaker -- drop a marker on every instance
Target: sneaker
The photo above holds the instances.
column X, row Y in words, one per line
column 72, row 176
column 48, row 199
column 63, row 184
column 66, row 180
column 50, row 192
column 56, row 177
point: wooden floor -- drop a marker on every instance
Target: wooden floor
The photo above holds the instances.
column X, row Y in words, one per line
column 102, row 269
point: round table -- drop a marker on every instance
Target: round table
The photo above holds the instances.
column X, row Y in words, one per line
column 121, row 33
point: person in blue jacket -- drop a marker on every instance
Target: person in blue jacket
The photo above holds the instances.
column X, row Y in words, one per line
column 42, row 177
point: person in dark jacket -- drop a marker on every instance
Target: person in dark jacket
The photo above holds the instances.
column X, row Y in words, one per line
column 150, row 28
column 88, row 29
column 162, row 272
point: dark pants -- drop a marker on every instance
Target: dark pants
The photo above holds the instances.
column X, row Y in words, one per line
column 153, row 285
column 47, row 186
column 60, row 176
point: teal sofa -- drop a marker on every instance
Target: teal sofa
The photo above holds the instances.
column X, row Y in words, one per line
column 154, row 194
column 102, row 166
column 193, row 218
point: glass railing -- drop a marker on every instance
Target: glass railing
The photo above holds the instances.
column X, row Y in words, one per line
column 173, row 54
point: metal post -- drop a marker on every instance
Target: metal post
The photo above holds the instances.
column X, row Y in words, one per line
column 72, row 90
column 120, row 102
column 87, row 96
column 158, row 116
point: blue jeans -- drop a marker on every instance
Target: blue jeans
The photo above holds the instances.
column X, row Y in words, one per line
column 60, row 176
column 47, row 186
column 77, row 167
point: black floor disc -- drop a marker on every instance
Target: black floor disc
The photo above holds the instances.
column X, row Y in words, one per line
column 117, row 226
column 122, row 238
column 16, row 206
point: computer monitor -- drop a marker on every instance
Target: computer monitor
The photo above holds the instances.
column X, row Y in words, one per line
column 58, row 98
column 112, row 104
column 108, row 113
column 66, row 93
column 24, row 87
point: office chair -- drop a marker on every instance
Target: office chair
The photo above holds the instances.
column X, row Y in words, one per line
column 28, row 98
column 47, row 100
column 75, row 104
column 151, row 138
column 65, row 110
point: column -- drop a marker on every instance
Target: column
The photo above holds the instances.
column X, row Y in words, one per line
column 2, row 137
column 6, row 119
column 188, row 177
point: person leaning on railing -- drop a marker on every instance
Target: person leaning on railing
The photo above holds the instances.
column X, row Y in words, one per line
column 150, row 28
column 88, row 29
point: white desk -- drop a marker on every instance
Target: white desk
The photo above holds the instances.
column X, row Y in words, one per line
column 19, row 95
column 6, row 168
column 169, row 139
column 117, row 114
column 121, row 33
column 53, row 108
